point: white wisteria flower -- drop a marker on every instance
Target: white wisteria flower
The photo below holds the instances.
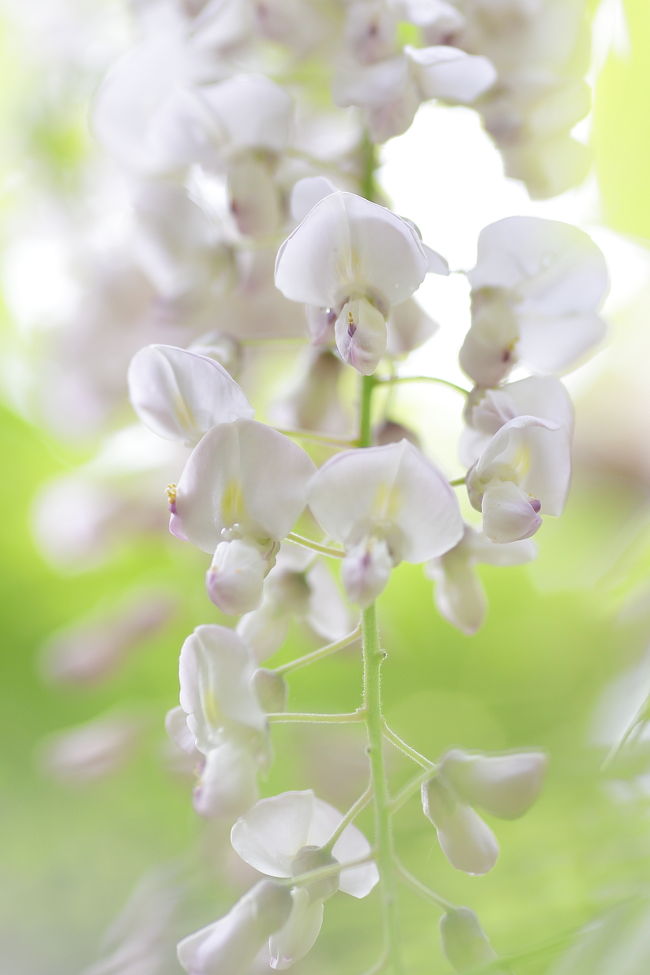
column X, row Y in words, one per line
column 459, row 595
column 180, row 394
column 286, row 836
column 390, row 92
column 298, row 586
column 464, row 942
column 524, row 470
column 487, row 410
column 240, row 493
column 224, row 718
column 503, row 785
column 230, row 945
column 357, row 260
column 385, row 505
column 536, row 290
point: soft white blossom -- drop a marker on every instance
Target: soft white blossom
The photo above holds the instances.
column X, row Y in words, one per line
column 464, row 942
column 385, row 505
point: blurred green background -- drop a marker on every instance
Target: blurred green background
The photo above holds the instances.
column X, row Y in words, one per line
column 559, row 633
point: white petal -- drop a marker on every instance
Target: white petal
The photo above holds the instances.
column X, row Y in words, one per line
column 467, row 842
column 307, row 192
column 251, row 110
column 228, row 784
column 229, row 945
column 236, row 576
column 327, row 614
column 386, row 93
column 216, row 670
column 361, row 336
column 392, row 492
column 254, row 198
column 459, row 595
column 348, row 247
column 180, row 734
column 366, row 569
column 300, row 932
column 264, row 630
column 501, row 554
column 351, row 845
column 541, row 396
column 242, row 473
column 409, row 326
column 503, row 785
column 555, row 268
column 552, row 344
column 509, row 513
column 180, row 395
column 451, row 74
column 270, row 835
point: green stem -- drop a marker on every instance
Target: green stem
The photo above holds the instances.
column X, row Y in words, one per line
column 333, row 553
column 321, row 653
column 350, row 815
column 321, row 873
column 423, row 890
column 407, row 749
column 458, row 482
column 410, row 789
column 306, row 717
column 395, row 380
column 373, row 658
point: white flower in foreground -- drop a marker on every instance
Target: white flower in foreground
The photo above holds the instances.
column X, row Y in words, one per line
column 301, row 587
column 464, row 942
column 240, row 493
column 385, row 505
column 503, row 785
column 180, row 395
column 224, row 717
column 229, row 946
column 358, row 260
column 487, row 410
column 536, row 290
column 524, row 470
column 390, row 92
column 285, row 836
column 459, row 595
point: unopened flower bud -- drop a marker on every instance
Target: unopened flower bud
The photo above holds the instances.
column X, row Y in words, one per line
column 236, row 575
column 467, row 842
column 366, row 570
column 509, row 513
column 361, row 335
column 504, row 785
column 464, row 941
column 271, row 689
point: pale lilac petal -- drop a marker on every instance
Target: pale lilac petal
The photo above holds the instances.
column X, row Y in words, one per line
column 366, row 569
column 504, row 785
column 228, row 784
column 180, row 395
column 300, row 932
column 235, row 579
column 450, row 74
column 509, row 513
column 241, row 474
column 270, row 835
column 390, row 492
column 361, row 336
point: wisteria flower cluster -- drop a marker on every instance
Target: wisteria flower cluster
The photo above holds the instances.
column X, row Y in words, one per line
column 250, row 223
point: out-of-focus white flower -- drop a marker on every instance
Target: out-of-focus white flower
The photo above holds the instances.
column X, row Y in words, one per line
column 487, row 410
column 503, row 785
column 225, row 719
column 91, row 649
column 240, row 493
column 298, row 586
column 315, row 401
column 459, row 595
column 357, row 259
column 390, row 91
column 464, row 942
column 229, row 946
column 385, row 505
column 285, row 836
column 370, row 30
column 181, row 394
column 525, row 469
column 536, row 290
column 92, row 750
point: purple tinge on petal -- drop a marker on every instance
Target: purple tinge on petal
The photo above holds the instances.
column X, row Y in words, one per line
column 536, row 505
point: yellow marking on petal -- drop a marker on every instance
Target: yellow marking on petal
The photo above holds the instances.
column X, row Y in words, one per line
column 521, row 462
column 211, row 708
column 232, row 503
column 386, row 503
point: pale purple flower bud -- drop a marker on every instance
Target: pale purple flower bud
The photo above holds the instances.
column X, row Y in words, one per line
column 464, row 941
column 360, row 331
column 509, row 513
column 467, row 842
column 504, row 785
column 236, row 575
column 366, row 569
column 229, row 946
